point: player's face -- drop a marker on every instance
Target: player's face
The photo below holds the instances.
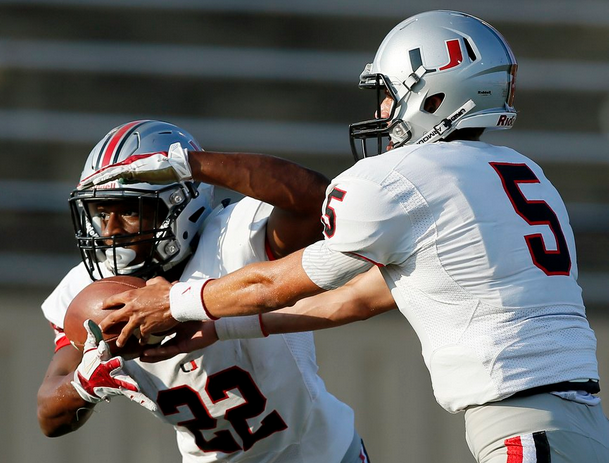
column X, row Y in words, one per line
column 386, row 105
column 385, row 111
column 122, row 218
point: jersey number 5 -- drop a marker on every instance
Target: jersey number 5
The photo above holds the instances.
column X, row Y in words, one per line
column 535, row 212
column 329, row 218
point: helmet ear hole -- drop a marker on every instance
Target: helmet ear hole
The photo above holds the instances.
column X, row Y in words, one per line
column 433, row 102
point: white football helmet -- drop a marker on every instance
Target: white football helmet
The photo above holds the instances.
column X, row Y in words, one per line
column 458, row 57
column 179, row 209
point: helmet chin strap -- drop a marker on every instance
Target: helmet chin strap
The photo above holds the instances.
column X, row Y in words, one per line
column 446, row 126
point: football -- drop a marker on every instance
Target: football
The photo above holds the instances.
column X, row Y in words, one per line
column 87, row 305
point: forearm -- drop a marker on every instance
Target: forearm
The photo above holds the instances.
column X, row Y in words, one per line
column 276, row 181
column 259, row 288
column 364, row 297
column 60, row 409
column 312, row 314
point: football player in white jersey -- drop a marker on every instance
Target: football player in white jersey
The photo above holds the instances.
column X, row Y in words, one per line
column 471, row 241
column 249, row 400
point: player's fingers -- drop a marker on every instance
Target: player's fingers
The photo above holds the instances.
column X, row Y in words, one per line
column 128, row 385
column 150, row 327
column 175, row 346
column 155, row 281
column 112, row 319
column 117, row 300
column 114, row 365
column 126, row 332
column 157, row 354
column 144, row 339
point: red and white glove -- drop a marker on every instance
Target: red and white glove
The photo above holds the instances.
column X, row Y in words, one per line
column 155, row 168
column 100, row 376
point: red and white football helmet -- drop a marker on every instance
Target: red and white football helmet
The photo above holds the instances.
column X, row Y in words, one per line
column 179, row 208
column 456, row 56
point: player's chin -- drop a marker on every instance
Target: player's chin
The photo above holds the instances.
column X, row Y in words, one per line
column 390, row 146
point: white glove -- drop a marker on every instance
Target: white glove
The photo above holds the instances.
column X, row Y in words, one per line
column 100, row 376
column 156, row 168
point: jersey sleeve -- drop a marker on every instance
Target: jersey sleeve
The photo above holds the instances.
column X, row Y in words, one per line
column 365, row 218
column 61, row 340
column 56, row 304
column 233, row 237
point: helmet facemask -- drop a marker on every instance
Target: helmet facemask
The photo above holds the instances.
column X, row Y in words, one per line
column 381, row 129
column 148, row 247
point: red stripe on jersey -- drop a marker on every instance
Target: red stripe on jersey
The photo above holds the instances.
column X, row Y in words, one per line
column 514, row 450
column 61, row 342
column 365, row 258
column 114, row 141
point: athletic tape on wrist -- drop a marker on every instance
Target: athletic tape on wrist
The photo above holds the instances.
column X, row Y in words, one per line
column 247, row 327
column 186, row 301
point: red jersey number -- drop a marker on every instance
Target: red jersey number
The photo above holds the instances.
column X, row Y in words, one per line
column 329, row 218
column 535, row 212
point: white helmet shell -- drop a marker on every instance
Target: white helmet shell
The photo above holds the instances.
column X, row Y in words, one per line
column 447, row 53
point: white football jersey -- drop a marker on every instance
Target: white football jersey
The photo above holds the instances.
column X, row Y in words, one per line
column 476, row 246
column 256, row 400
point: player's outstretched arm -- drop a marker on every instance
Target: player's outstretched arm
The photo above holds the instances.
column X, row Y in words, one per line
column 255, row 288
column 364, row 297
column 296, row 192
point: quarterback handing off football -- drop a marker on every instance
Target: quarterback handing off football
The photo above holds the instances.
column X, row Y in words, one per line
column 87, row 305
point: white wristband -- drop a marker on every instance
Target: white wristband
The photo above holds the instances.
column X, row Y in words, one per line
column 186, row 301
column 240, row 328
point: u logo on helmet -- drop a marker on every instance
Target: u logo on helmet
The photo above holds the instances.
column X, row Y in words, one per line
column 455, row 56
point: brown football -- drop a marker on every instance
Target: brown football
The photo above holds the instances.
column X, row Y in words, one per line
column 87, row 305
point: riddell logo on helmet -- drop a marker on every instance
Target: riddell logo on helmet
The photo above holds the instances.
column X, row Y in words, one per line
column 506, row 121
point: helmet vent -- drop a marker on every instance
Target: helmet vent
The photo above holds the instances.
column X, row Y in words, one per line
column 470, row 51
column 194, row 217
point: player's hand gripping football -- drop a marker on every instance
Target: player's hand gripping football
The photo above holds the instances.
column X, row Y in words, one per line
column 146, row 310
column 156, row 168
column 100, row 376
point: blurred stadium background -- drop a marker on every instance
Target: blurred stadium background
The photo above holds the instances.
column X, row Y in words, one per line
column 269, row 76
